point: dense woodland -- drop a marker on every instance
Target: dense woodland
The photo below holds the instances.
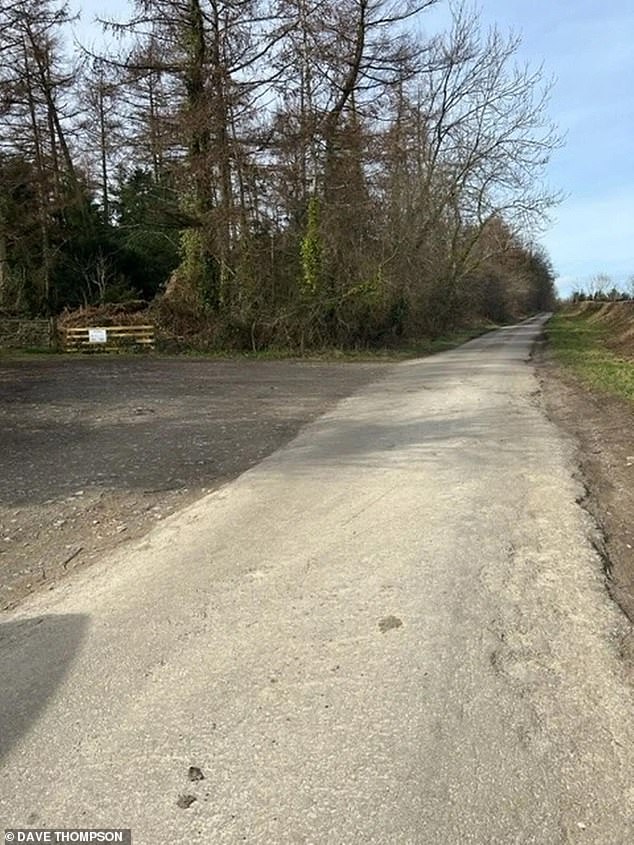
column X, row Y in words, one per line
column 298, row 173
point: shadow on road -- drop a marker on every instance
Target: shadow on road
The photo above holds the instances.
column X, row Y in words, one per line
column 35, row 656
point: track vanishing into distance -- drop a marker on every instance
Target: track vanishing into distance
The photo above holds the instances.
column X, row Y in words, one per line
column 393, row 630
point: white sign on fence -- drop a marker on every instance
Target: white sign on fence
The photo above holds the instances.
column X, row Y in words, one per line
column 97, row 336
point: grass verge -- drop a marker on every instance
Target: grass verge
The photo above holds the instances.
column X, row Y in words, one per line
column 580, row 345
column 419, row 349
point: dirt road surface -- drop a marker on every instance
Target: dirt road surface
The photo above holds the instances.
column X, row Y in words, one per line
column 603, row 427
column 393, row 630
column 97, row 450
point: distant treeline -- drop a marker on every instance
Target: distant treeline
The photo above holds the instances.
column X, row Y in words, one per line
column 273, row 172
column 613, row 295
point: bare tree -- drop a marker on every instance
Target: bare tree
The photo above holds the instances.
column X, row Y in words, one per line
column 337, row 179
column 478, row 141
column 598, row 285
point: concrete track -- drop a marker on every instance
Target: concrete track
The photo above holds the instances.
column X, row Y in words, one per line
column 395, row 630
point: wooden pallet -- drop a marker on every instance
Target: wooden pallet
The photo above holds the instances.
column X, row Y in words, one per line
column 108, row 338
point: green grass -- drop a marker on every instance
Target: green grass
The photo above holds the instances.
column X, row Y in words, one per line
column 580, row 346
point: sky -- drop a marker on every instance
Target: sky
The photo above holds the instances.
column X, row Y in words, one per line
column 588, row 46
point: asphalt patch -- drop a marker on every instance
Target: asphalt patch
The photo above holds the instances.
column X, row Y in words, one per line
column 97, row 450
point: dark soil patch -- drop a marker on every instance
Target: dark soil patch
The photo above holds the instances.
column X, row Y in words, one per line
column 97, row 450
column 603, row 425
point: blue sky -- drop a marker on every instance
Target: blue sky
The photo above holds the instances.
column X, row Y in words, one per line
column 588, row 45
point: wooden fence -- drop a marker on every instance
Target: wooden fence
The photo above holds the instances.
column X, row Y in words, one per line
column 108, row 338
